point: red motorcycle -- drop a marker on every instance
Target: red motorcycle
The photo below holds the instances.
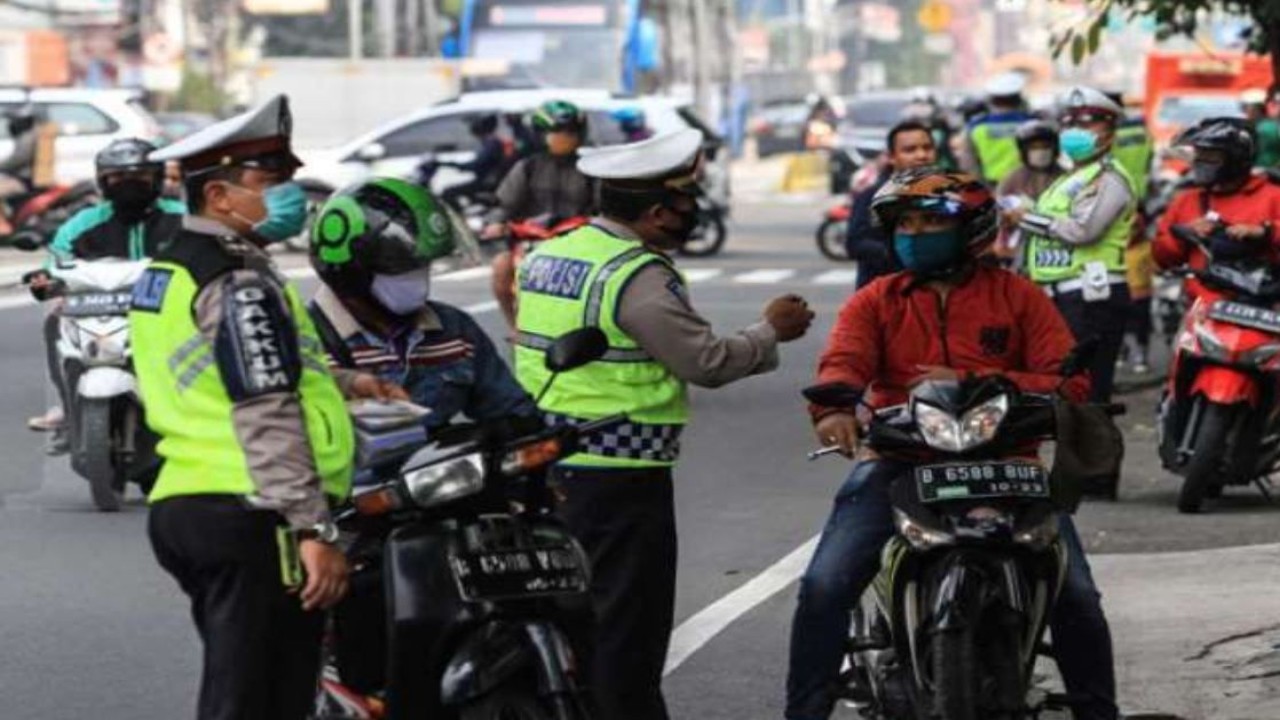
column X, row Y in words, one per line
column 831, row 233
column 37, row 215
column 1220, row 415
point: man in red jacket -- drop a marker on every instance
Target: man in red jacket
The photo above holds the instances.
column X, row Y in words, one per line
column 944, row 316
column 1233, row 211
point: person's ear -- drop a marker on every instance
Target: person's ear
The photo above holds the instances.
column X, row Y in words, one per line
column 216, row 197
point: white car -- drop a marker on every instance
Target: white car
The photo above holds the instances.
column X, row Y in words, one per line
column 87, row 120
column 395, row 149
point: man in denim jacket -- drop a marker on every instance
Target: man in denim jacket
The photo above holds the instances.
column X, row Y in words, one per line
column 372, row 246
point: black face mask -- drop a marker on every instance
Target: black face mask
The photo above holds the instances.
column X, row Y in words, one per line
column 688, row 222
column 131, row 198
column 1206, row 173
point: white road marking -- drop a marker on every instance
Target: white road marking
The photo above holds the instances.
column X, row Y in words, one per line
column 699, row 630
column 837, row 277
column 472, row 273
column 16, row 301
column 764, row 277
column 481, row 307
column 694, row 275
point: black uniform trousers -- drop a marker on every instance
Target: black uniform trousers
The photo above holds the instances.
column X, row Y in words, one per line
column 625, row 520
column 1105, row 320
column 261, row 651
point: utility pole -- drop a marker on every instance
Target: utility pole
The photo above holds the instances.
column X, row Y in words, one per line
column 355, row 29
column 701, row 72
column 431, row 22
column 387, row 24
column 413, row 22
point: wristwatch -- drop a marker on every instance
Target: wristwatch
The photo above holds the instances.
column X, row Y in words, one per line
column 325, row 532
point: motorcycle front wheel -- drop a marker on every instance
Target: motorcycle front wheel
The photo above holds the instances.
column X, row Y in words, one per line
column 1203, row 469
column 708, row 238
column 94, row 441
column 830, row 237
column 519, row 702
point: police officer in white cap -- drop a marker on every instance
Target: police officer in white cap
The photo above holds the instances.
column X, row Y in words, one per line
column 616, row 273
column 991, row 146
column 254, row 435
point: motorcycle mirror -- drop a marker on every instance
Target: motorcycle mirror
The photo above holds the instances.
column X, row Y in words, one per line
column 1080, row 358
column 833, row 395
column 26, row 241
column 577, row 348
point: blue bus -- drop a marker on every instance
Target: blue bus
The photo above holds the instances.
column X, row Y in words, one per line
column 603, row 44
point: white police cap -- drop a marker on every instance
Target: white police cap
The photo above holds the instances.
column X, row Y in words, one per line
column 653, row 161
column 1006, row 84
column 259, row 136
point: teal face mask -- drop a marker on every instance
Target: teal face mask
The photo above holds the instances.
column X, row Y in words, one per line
column 929, row 252
column 286, row 212
column 1079, row 143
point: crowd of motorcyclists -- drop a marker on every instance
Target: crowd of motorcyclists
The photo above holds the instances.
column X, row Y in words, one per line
column 988, row 257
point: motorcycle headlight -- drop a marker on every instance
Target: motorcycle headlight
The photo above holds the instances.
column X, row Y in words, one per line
column 919, row 536
column 1210, row 346
column 944, row 432
column 446, row 481
column 1039, row 536
column 1262, row 356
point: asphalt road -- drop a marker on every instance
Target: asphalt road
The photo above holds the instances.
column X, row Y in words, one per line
column 90, row 627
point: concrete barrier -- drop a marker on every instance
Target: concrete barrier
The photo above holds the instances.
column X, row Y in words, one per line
column 806, row 172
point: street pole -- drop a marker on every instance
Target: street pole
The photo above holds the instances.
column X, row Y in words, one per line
column 700, row 70
column 431, row 20
column 355, row 29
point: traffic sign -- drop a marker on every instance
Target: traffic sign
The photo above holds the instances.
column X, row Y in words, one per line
column 935, row 16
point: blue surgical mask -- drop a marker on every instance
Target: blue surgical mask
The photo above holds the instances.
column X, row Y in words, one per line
column 286, row 205
column 929, row 252
column 1079, row 143
column 403, row 294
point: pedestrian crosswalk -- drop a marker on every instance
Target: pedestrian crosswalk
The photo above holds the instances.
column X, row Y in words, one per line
column 839, row 277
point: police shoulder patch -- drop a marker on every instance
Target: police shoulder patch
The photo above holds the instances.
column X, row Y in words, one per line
column 257, row 341
column 148, row 292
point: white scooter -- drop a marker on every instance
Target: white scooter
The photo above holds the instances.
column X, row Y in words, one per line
column 110, row 444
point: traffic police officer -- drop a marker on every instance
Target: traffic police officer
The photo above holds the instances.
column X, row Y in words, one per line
column 616, row 274
column 1079, row 230
column 1134, row 148
column 991, row 147
column 255, row 436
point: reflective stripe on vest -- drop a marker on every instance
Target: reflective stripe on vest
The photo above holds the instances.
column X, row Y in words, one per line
column 575, row 281
column 188, row 406
column 1051, row 261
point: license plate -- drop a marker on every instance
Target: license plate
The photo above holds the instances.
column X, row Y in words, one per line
column 976, row 480
column 1246, row 315
column 107, row 303
column 496, row 575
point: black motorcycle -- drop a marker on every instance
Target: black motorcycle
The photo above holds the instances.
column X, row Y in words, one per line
column 969, row 580
column 710, row 233
column 481, row 583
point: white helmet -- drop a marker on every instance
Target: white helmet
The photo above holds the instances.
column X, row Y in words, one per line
column 1081, row 98
column 1008, row 84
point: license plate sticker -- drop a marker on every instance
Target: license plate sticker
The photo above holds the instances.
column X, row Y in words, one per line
column 494, row 575
column 976, row 480
column 1246, row 315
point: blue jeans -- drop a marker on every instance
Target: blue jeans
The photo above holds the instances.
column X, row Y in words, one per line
column 847, row 560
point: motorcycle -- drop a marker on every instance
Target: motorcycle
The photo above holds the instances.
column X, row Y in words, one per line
column 472, row 208
column 710, row 233
column 110, row 443
column 1170, row 304
column 38, row 214
column 482, row 582
column 969, row 580
column 833, row 231
column 1220, row 414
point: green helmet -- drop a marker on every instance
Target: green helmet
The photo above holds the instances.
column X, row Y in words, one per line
column 382, row 226
column 560, row 115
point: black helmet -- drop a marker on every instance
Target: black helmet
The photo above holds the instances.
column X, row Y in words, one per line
column 21, row 119
column 560, row 116
column 129, row 156
column 483, row 124
column 953, row 194
column 1234, row 137
column 1036, row 131
column 382, row 226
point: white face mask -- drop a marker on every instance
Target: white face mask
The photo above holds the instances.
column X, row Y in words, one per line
column 1040, row 159
column 403, row 294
